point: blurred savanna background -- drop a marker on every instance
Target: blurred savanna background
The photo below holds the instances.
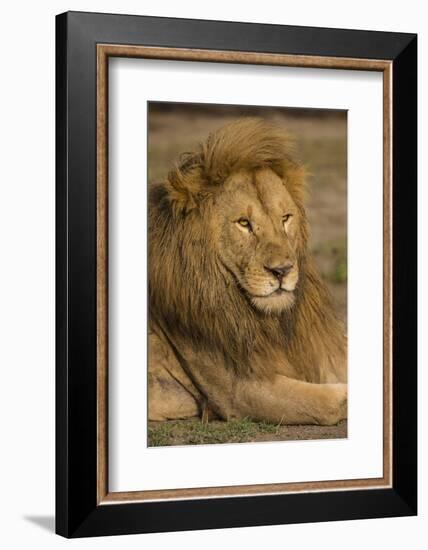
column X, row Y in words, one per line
column 321, row 145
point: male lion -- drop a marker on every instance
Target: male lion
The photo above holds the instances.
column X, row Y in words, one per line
column 241, row 324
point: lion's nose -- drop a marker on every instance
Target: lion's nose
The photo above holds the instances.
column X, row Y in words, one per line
column 280, row 271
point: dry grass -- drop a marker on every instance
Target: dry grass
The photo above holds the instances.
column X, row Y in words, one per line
column 194, row 432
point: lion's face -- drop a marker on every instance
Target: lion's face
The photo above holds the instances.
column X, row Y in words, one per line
column 256, row 225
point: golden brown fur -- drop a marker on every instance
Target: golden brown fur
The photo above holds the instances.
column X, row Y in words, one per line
column 240, row 341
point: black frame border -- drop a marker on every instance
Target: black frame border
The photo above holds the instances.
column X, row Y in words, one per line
column 77, row 512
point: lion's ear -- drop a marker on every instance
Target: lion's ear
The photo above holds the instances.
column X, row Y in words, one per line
column 185, row 188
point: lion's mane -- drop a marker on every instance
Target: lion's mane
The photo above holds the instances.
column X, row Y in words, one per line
column 191, row 296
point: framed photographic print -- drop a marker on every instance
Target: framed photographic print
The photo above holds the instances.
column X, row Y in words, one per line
column 236, row 274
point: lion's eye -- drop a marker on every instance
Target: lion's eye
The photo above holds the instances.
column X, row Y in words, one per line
column 286, row 218
column 243, row 222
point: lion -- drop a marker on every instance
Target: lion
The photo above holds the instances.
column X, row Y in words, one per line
column 241, row 324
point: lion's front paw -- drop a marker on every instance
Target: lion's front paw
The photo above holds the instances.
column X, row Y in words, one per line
column 343, row 403
column 337, row 409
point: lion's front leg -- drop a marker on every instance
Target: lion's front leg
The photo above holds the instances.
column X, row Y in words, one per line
column 288, row 401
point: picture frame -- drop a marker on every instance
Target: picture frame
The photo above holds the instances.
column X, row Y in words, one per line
column 84, row 44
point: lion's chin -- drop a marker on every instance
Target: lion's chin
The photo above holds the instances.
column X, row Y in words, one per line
column 274, row 303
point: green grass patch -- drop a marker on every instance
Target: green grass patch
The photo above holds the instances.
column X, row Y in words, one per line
column 340, row 272
column 332, row 258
